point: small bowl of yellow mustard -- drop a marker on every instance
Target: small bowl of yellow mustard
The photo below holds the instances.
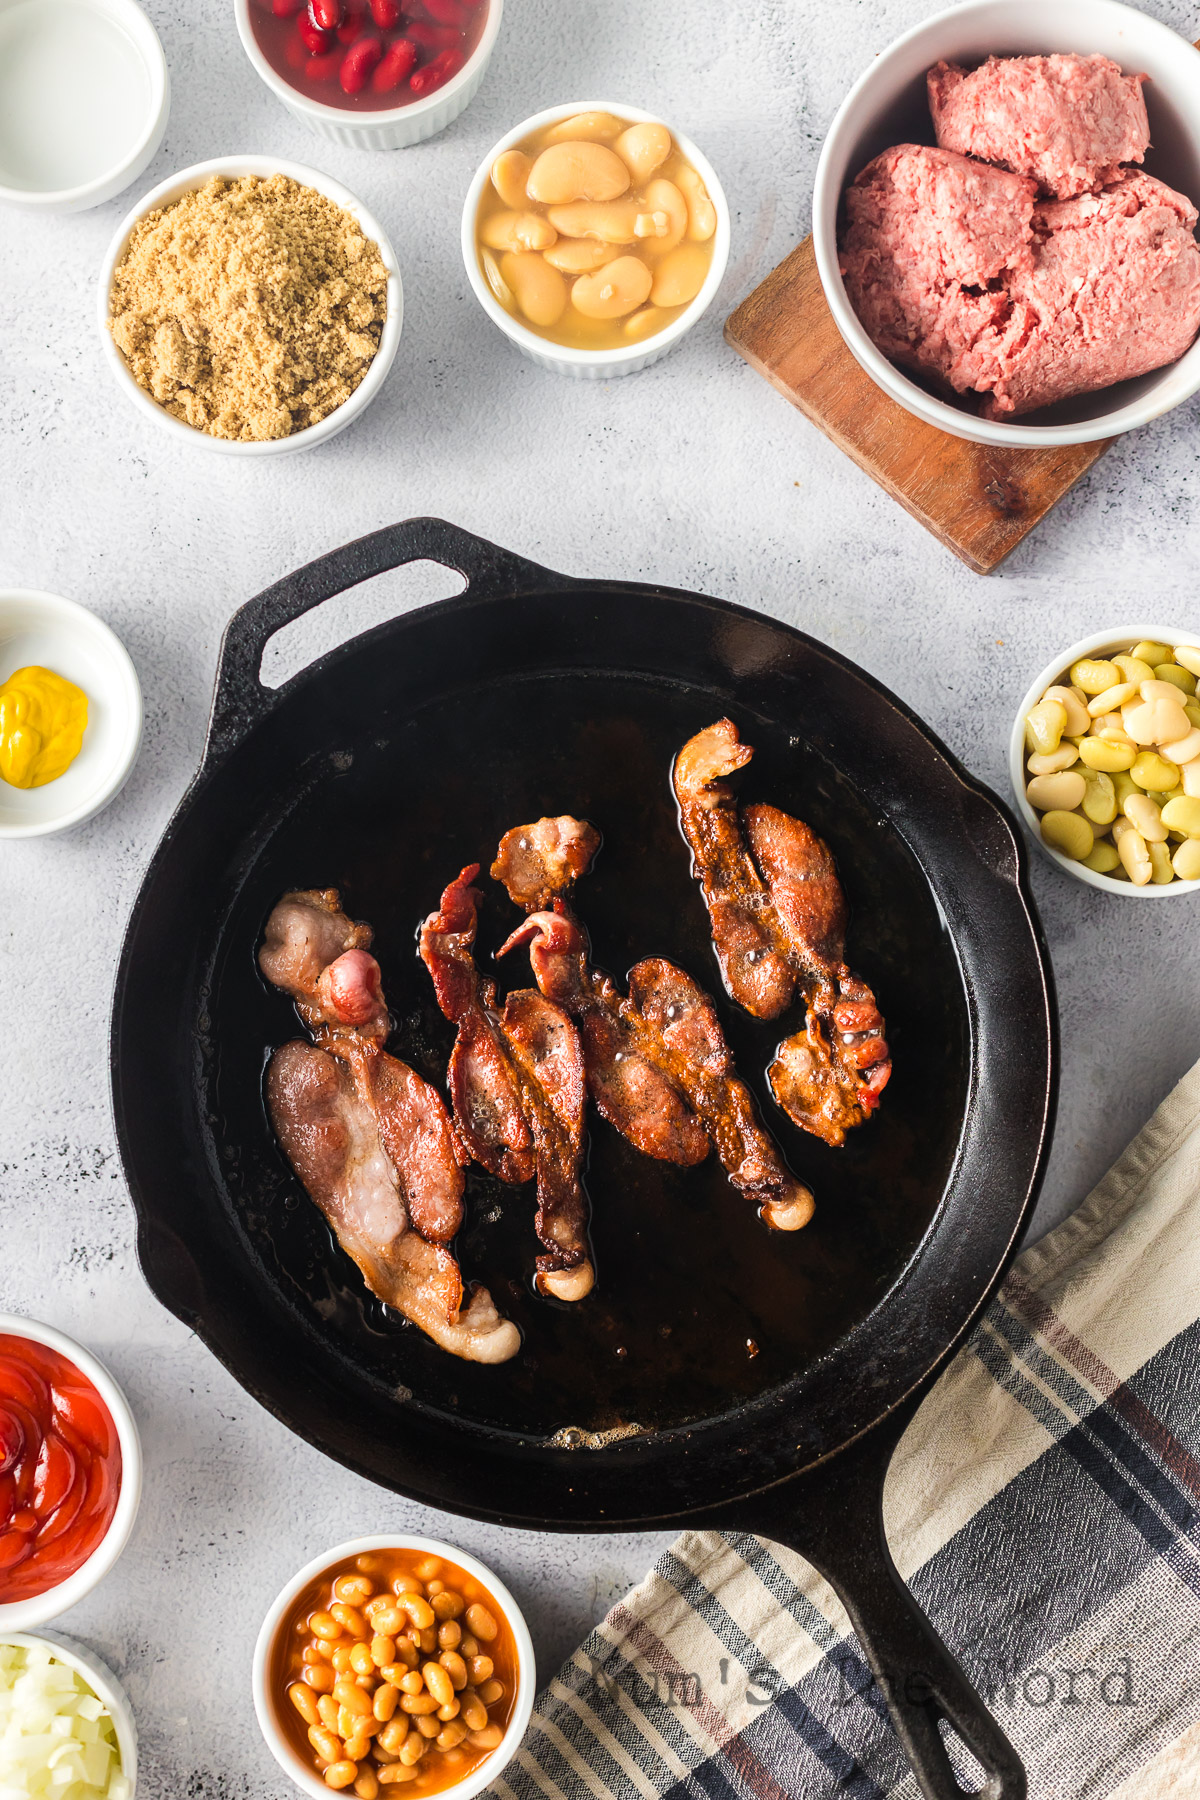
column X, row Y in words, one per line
column 70, row 714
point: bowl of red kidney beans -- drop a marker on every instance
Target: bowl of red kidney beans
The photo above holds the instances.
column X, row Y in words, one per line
column 372, row 74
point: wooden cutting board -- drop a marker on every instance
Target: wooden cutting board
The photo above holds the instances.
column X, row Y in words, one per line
column 978, row 499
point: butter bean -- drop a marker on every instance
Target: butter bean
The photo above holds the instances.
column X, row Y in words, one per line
column 619, row 288
column 1155, row 721
column 541, row 294
column 599, row 127
column 579, row 256
column 1188, row 657
column 1099, row 798
column 1094, row 676
column 1151, row 653
column 1189, row 780
column 1109, row 700
column 679, row 277
column 1103, row 858
column 1176, row 677
column 1191, row 712
column 702, row 214
column 663, row 196
column 1184, row 749
column 518, row 231
column 645, row 323
column 1183, row 815
column 1161, row 690
column 510, row 172
column 1135, row 857
column 643, row 148
column 1186, row 860
column 1110, row 757
column 1143, row 813
column 1161, row 870
column 614, row 223
column 1134, row 669
column 577, row 171
column 1150, row 771
column 1068, row 832
column 496, row 281
column 1044, row 725
column 1056, row 792
column 1063, row 758
column 1074, row 704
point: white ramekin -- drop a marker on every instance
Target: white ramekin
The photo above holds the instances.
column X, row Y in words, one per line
column 26, row 1615
column 102, row 1682
column 1102, row 644
column 232, row 167
column 394, row 130
column 887, row 105
column 564, row 359
column 305, row 1777
column 64, row 636
column 111, row 181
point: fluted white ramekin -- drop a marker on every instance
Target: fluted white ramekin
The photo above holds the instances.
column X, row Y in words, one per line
column 565, row 359
column 398, row 129
column 100, row 1679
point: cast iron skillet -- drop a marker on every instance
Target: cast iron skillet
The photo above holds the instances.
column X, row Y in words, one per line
column 744, row 1359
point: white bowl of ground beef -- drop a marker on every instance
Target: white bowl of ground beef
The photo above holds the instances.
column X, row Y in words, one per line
column 365, row 384
column 889, row 106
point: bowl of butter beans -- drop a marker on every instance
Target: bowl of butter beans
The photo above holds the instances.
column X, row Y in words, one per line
column 394, row 1663
column 1105, row 762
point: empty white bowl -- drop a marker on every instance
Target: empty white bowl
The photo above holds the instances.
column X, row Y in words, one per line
column 393, row 129
column 27, row 1615
column 100, row 1679
column 1103, row 644
column 64, row 636
column 565, row 359
column 84, row 98
column 887, row 105
column 302, row 1773
column 233, row 167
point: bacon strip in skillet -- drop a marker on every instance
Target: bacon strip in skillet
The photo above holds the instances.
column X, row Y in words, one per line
column 658, row 1066
column 518, row 1089
column 371, row 1141
column 779, row 928
column 538, row 862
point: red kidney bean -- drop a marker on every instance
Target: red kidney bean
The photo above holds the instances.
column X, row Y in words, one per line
column 358, row 64
column 350, row 31
column 316, row 40
column 326, row 15
column 445, row 12
column 433, row 37
column 386, row 13
column 397, row 62
column 437, row 73
column 324, row 68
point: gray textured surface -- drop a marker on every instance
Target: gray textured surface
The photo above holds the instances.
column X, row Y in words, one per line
column 694, row 474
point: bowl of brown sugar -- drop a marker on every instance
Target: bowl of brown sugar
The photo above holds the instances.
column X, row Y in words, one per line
column 251, row 305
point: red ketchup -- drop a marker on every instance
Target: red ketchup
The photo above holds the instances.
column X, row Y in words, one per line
column 60, row 1468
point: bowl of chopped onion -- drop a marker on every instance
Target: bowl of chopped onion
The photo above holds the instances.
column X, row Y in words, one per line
column 66, row 1728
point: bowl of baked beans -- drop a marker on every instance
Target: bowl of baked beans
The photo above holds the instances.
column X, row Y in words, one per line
column 394, row 1664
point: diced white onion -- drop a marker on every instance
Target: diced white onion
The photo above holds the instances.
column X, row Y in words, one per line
column 57, row 1738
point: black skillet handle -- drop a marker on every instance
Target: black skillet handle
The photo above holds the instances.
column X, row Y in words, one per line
column 833, row 1516
column 241, row 699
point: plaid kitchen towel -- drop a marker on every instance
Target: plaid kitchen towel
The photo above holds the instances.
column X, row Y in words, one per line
column 1044, row 1504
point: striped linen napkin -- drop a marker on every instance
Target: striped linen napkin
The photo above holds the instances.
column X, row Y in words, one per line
column 1044, row 1505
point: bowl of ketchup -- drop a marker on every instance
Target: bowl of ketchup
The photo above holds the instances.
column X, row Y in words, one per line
column 70, row 1472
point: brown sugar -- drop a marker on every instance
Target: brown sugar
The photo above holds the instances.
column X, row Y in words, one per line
column 251, row 308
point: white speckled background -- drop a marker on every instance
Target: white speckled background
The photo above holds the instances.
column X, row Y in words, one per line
column 695, row 474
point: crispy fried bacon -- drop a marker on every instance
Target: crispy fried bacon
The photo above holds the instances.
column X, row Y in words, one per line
column 370, row 1140
column 538, row 862
column 658, row 1066
column 517, row 1086
column 779, row 926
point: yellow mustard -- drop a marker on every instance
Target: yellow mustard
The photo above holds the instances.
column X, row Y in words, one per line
column 42, row 721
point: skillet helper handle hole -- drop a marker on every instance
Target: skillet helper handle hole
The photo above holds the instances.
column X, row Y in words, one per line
column 833, row 1516
column 242, row 698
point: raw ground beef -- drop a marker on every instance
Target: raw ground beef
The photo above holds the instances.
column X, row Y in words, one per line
column 955, row 268
column 1069, row 122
